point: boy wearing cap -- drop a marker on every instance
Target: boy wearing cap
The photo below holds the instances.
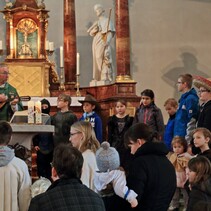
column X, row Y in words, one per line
column 110, row 178
column 90, row 106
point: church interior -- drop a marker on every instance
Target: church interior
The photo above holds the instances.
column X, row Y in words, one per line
column 48, row 50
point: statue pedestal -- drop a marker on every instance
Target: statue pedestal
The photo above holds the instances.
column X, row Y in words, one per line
column 99, row 83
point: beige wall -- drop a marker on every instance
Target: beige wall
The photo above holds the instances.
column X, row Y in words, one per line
column 168, row 37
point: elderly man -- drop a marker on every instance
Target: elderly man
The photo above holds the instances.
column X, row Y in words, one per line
column 9, row 99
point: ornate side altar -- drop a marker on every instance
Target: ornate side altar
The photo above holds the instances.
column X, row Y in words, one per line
column 26, row 31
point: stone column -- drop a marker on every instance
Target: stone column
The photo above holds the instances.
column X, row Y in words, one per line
column 122, row 41
column 69, row 41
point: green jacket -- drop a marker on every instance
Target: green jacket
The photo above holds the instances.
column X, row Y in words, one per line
column 6, row 111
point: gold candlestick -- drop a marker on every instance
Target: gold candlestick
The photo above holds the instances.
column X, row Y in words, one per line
column 62, row 86
column 78, row 94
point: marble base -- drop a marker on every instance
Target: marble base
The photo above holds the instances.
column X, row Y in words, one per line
column 99, row 83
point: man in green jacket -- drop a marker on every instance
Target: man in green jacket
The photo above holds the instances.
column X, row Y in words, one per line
column 9, row 98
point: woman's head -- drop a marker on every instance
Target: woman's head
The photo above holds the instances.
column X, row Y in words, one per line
column 179, row 145
column 82, row 136
column 137, row 135
column 199, row 169
column 147, row 97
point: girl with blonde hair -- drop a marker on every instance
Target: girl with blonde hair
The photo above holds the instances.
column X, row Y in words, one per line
column 82, row 136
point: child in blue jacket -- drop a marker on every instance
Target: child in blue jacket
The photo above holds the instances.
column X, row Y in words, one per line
column 90, row 105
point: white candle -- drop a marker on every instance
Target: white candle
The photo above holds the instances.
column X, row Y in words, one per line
column 78, row 64
column 47, row 45
column 51, row 46
column 30, row 112
column 11, row 44
column 0, row 44
column 38, row 113
column 61, row 57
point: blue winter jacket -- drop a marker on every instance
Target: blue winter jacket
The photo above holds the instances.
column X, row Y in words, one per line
column 187, row 113
column 96, row 123
column 169, row 131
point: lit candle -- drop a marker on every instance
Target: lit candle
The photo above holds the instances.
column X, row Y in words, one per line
column 30, row 112
column 47, row 45
column 78, row 64
column 0, row 44
column 61, row 57
column 38, row 113
column 51, row 46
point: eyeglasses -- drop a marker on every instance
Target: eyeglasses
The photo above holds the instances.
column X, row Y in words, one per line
column 72, row 134
column 203, row 90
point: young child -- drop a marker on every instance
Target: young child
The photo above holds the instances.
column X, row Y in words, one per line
column 63, row 120
column 110, row 178
column 199, row 176
column 117, row 126
column 90, row 107
column 40, row 186
column 171, row 106
column 149, row 113
column 43, row 144
column 201, row 140
column 179, row 145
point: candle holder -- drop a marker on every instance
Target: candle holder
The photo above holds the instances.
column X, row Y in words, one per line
column 49, row 52
column 1, row 52
column 78, row 93
column 62, row 86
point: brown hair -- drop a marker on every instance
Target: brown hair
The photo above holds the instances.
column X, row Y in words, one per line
column 202, row 167
column 187, row 78
column 68, row 161
column 66, row 98
column 6, row 132
column 89, row 140
column 172, row 102
column 180, row 140
column 122, row 101
column 206, row 133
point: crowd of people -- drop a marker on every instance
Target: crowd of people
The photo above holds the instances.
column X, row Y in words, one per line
column 141, row 165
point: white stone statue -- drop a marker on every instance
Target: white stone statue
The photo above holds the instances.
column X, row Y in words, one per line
column 102, row 31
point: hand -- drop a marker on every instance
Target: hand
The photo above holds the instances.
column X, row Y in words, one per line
column 186, row 155
column 36, row 148
column 14, row 102
column 3, row 97
column 134, row 203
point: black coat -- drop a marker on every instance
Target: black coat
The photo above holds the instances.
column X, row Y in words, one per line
column 200, row 197
column 204, row 119
column 152, row 177
column 116, row 138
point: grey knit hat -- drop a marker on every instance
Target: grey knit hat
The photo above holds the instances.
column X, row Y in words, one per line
column 107, row 158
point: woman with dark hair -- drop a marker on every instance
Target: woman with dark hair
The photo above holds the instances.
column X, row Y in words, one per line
column 149, row 113
column 151, row 175
column 200, row 184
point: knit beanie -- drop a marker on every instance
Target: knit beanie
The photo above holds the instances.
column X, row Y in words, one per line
column 107, row 158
